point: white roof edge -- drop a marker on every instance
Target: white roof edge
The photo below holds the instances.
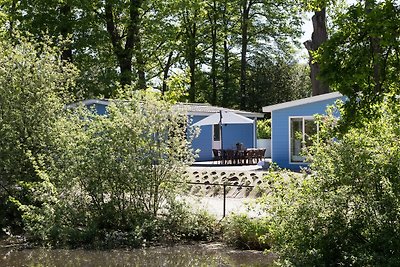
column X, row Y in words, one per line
column 88, row 102
column 302, row 101
column 245, row 114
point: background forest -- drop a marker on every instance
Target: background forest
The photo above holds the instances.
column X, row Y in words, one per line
column 239, row 54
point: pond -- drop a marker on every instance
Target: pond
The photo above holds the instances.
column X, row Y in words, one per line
column 183, row 255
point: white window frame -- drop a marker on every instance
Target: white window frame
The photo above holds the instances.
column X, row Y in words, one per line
column 304, row 118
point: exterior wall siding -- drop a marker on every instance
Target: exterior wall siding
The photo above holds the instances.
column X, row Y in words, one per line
column 203, row 142
column 280, row 130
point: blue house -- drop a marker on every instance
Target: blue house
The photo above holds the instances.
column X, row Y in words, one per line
column 291, row 124
column 210, row 136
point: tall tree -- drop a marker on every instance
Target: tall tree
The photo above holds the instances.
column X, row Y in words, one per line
column 268, row 23
column 361, row 59
column 213, row 18
column 126, row 42
column 319, row 36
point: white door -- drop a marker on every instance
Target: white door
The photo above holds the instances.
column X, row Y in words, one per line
column 216, row 136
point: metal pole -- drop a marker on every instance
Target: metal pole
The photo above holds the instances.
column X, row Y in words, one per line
column 220, row 137
column 223, row 214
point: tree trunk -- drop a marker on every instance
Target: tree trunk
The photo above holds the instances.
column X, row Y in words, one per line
column 226, row 57
column 65, row 30
column 213, row 19
column 243, row 61
column 319, row 36
column 166, row 71
column 134, row 31
column 192, row 61
column 124, row 52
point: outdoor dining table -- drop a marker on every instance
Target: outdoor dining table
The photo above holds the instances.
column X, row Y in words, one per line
column 241, row 156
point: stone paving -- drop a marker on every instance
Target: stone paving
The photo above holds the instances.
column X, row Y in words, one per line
column 213, row 176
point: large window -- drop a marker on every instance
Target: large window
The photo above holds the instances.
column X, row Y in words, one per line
column 301, row 130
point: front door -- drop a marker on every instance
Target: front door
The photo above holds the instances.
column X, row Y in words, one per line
column 216, row 133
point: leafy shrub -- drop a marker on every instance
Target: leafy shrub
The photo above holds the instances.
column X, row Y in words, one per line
column 104, row 180
column 181, row 223
column 33, row 87
column 241, row 231
column 346, row 211
column 264, row 129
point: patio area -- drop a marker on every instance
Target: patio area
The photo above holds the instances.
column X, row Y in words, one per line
column 208, row 177
column 206, row 188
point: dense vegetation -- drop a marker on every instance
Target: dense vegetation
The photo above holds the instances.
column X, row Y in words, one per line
column 228, row 51
column 344, row 209
column 69, row 177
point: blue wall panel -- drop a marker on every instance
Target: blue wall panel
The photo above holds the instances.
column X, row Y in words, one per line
column 280, row 130
column 204, row 141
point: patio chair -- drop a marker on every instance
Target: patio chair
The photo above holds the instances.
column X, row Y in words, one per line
column 250, row 155
column 260, row 154
column 230, row 156
column 217, row 155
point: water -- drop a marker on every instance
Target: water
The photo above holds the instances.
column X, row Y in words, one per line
column 183, row 255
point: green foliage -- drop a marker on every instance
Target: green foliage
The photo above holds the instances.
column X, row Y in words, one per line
column 361, row 58
column 276, row 81
column 264, row 129
column 243, row 232
column 346, row 211
column 203, row 36
column 106, row 180
column 33, row 85
column 181, row 223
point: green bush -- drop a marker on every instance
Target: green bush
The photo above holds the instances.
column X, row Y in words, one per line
column 243, row 232
column 33, row 87
column 264, row 129
column 346, row 211
column 107, row 180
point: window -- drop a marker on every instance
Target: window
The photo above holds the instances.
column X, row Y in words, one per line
column 216, row 133
column 301, row 130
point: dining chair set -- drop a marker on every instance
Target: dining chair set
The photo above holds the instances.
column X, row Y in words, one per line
column 247, row 156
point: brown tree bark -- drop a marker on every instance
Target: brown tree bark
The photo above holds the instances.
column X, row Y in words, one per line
column 243, row 61
column 166, row 71
column 319, row 36
column 124, row 51
column 65, row 30
column 191, row 33
column 226, row 55
column 213, row 20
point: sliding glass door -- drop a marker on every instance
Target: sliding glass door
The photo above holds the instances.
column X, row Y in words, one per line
column 301, row 130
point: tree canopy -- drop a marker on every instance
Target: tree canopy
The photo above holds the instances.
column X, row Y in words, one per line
column 361, row 59
column 145, row 43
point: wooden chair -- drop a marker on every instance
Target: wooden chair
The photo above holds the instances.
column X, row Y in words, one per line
column 261, row 154
column 217, row 155
column 229, row 156
column 250, row 155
